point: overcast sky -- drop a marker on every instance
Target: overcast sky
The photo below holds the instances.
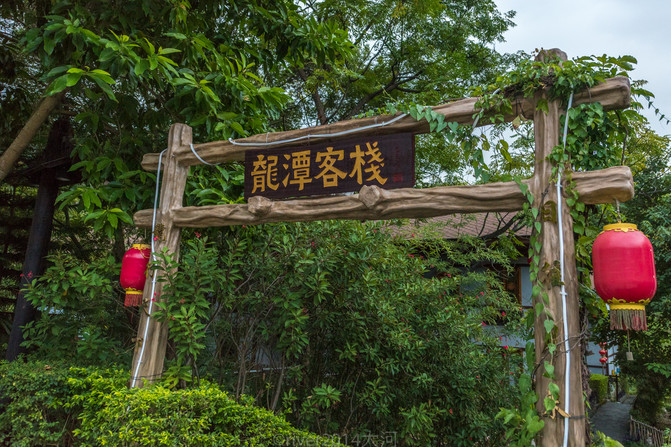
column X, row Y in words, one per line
column 595, row 27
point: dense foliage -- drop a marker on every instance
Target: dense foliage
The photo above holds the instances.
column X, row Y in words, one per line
column 54, row 405
column 345, row 329
column 599, row 385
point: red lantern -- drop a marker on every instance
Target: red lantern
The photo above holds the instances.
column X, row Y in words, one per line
column 134, row 273
column 603, row 352
column 603, row 360
column 624, row 274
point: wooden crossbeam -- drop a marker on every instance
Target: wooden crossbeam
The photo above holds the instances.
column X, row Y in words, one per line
column 373, row 203
column 612, row 94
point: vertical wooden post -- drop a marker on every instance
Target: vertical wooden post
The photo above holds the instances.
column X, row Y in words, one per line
column 152, row 335
column 547, row 136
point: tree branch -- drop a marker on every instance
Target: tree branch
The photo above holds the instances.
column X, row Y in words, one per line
column 394, row 84
column 363, row 33
column 319, row 105
column 11, row 155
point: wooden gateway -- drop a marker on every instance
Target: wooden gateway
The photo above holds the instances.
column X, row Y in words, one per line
column 373, row 202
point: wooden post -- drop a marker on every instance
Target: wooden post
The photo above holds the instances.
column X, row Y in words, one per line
column 547, row 136
column 152, row 334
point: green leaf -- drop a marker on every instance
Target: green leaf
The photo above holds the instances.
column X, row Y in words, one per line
column 503, row 148
column 49, row 45
column 105, row 88
column 72, row 79
column 58, row 70
column 549, row 369
column 549, row 325
column 534, row 426
column 58, row 85
column 168, row 50
column 102, row 74
column 113, row 219
column 549, row 404
column 141, row 67
column 237, row 127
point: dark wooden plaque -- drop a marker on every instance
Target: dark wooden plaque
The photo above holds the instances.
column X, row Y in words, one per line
column 387, row 161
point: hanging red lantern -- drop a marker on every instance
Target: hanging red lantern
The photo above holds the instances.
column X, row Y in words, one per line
column 603, row 352
column 624, row 274
column 134, row 273
column 603, row 360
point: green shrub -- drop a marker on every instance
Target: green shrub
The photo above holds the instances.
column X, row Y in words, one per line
column 35, row 407
column 49, row 405
column 348, row 330
column 599, row 384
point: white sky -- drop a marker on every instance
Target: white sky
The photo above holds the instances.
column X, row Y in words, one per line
column 595, row 27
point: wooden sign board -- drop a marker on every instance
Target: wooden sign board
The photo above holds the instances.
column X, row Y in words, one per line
column 386, row 161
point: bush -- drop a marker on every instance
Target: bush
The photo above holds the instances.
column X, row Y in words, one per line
column 348, row 330
column 57, row 405
column 599, row 384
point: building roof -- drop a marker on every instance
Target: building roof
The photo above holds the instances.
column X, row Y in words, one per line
column 456, row 225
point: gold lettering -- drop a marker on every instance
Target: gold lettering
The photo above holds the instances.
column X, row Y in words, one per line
column 264, row 173
column 330, row 173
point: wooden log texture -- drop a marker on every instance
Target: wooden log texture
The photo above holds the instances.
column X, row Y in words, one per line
column 546, row 130
column 373, row 203
column 151, row 358
column 615, row 93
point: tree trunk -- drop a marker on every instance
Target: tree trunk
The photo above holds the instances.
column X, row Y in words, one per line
column 38, row 240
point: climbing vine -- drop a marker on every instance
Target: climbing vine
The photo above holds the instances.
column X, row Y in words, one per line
column 591, row 142
column 595, row 139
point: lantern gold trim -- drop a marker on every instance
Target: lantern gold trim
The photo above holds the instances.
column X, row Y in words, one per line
column 625, row 227
column 629, row 306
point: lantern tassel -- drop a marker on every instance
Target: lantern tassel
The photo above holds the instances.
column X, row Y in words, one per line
column 132, row 299
column 625, row 319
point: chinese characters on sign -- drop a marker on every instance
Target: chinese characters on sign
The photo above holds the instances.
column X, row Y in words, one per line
column 386, row 161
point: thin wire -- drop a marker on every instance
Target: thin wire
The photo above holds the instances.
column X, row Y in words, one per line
column 560, row 222
column 153, row 279
column 198, row 156
column 617, row 208
column 329, row 135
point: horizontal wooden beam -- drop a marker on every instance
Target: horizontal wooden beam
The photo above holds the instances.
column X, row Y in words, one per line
column 373, row 203
column 613, row 94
